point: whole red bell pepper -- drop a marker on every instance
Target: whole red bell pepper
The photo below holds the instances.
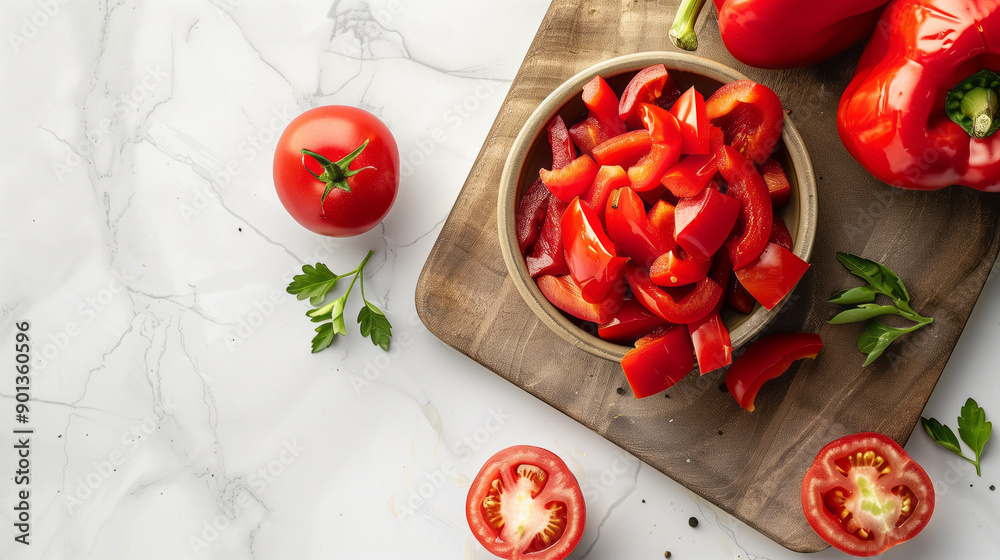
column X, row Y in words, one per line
column 782, row 33
column 918, row 86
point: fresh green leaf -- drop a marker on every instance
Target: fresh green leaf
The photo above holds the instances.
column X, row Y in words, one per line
column 974, row 429
column 877, row 275
column 324, row 337
column 861, row 294
column 942, row 435
column 863, row 313
column 876, row 338
column 314, row 283
column 374, row 324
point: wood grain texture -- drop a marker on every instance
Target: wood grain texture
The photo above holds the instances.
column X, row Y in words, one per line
column 943, row 244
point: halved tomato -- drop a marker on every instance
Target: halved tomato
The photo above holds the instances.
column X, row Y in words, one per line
column 863, row 494
column 526, row 503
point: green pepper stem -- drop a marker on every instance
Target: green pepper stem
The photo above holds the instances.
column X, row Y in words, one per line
column 335, row 173
column 980, row 105
column 972, row 104
column 682, row 31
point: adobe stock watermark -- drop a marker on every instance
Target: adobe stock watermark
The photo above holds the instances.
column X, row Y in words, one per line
column 256, row 485
column 260, row 141
column 621, row 466
column 375, row 367
column 130, row 441
column 434, row 480
column 28, row 27
column 453, row 117
column 124, row 105
column 88, row 310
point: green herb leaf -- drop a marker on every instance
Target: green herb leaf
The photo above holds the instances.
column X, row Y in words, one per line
column 375, row 325
column 863, row 313
column 879, row 276
column 861, row 294
column 942, row 435
column 974, row 429
column 314, row 283
column 876, row 338
column 324, row 337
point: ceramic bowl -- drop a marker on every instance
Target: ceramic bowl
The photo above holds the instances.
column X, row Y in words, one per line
column 531, row 152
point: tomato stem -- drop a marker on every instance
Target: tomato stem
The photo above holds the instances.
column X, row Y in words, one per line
column 335, row 173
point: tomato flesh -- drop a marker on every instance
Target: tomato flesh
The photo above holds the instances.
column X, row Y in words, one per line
column 863, row 494
column 526, row 503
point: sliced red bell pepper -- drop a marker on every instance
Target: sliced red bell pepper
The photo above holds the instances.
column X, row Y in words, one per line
column 777, row 182
column 630, row 230
column 590, row 254
column 603, row 104
column 690, row 176
column 530, row 214
column 738, row 297
column 697, row 303
column 662, row 217
column 772, row 275
column 588, row 133
column 572, row 180
column 922, row 109
column 676, row 268
column 766, row 359
column 658, row 361
column 693, row 117
column 647, row 86
column 750, row 116
column 712, row 345
column 564, row 293
column 631, row 322
column 665, row 152
column 548, row 256
column 720, row 272
column 563, row 151
column 780, row 235
column 609, row 178
column 704, row 222
column 625, row 149
column 746, row 185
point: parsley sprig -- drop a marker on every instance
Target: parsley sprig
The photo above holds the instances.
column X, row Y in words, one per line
column 972, row 427
column 315, row 282
column 877, row 336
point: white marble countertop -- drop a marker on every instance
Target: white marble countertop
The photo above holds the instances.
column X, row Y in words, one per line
column 175, row 407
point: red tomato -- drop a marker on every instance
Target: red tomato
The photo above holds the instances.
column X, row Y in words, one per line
column 767, row 358
column 525, row 503
column 591, row 256
column 863, row 494
column 336, row 170
column 658, row 360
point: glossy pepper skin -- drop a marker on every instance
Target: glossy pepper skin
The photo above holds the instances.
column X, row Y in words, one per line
column 892, row 115
column 782, row 33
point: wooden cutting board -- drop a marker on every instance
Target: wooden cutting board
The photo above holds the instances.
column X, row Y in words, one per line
column 943, row 244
